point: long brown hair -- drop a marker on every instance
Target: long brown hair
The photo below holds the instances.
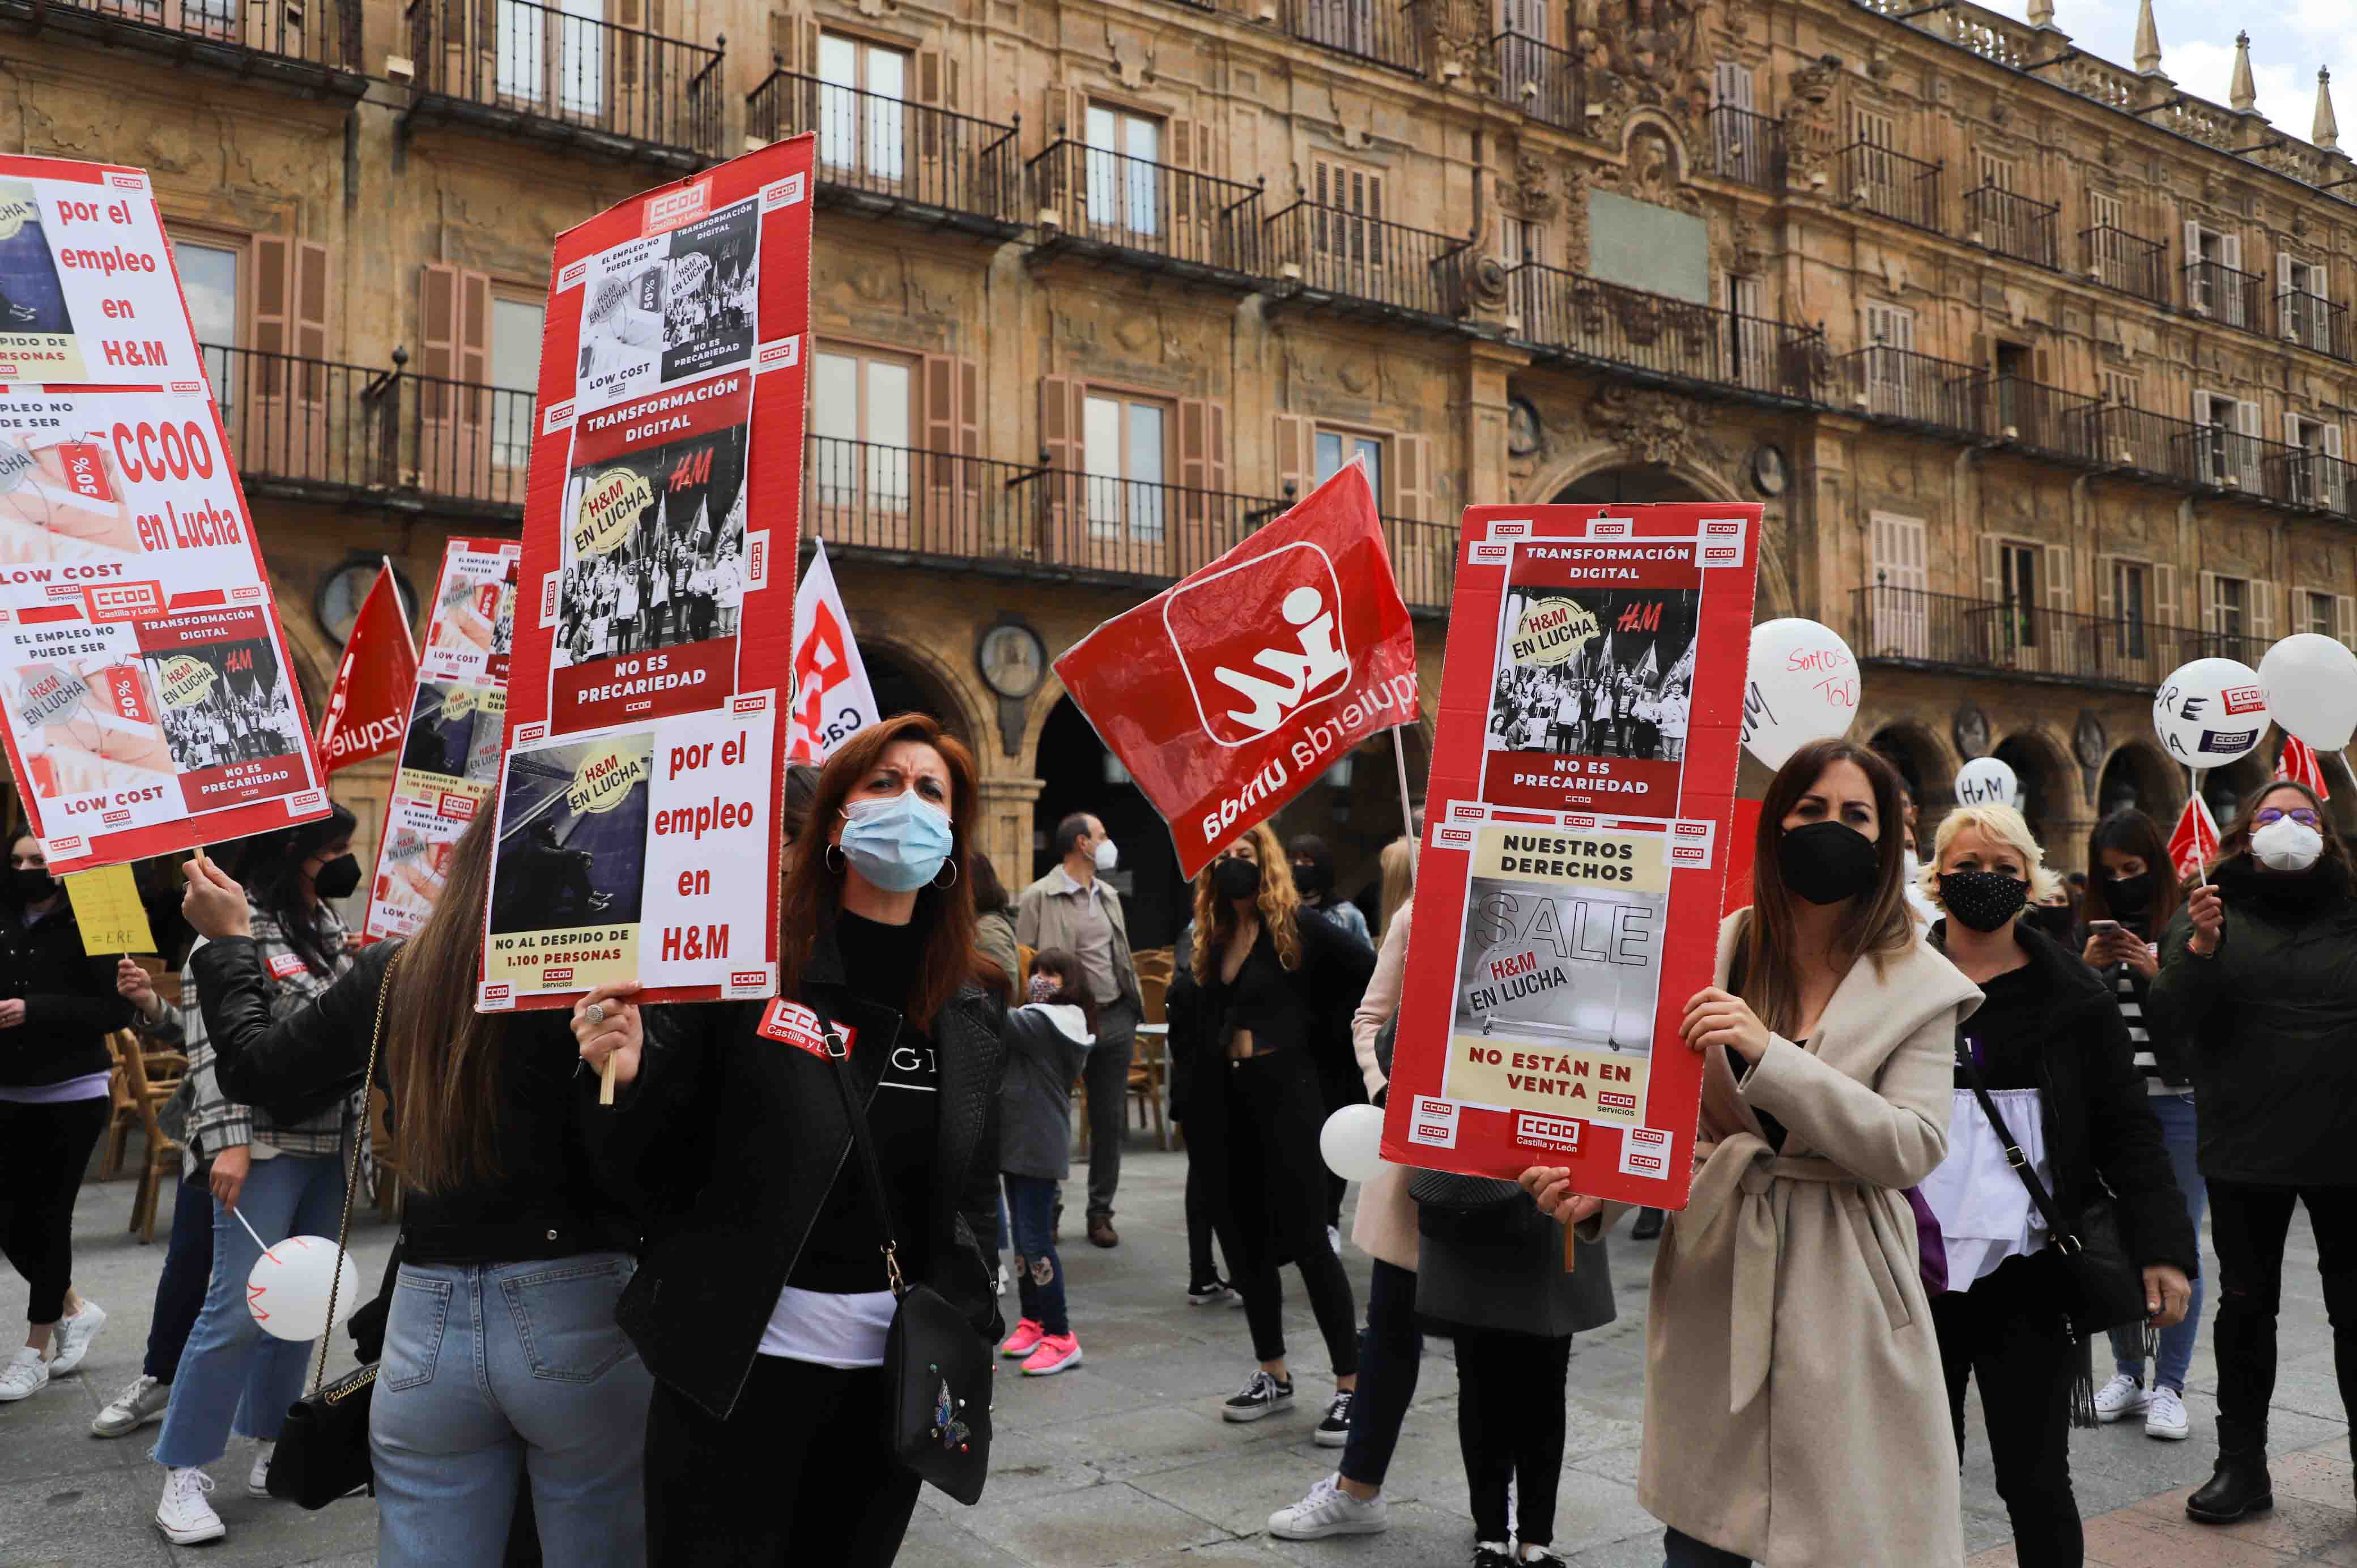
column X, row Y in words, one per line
column 2237, row 839
column 1215, row 918
column 813, row 895
column 1875, row 924
column 2130, row 832
column 442, row 1058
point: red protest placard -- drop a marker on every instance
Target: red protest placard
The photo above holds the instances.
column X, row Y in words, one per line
column 1230, row 691
column 654, row 621
column 1577, row 833
column 367, row 708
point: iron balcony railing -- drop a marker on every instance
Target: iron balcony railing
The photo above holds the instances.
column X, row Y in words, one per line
column 947, row 508
column 545, row 71
column 2297, row 477
column 2012, row 225
column 2206, row 456
column 2192, row 645
column 1542, row 79
column 1899, row 383
column 312, row 425
column 324, row 37
column 1747, row 146
column 2128, row 263
column 1145, row 210
column 1608, row 324
column 2036, row 417
column 882, row 149
column 2003, row 637
column 2314, row 322
column 2223, row 294
column 1892, row 184
column 1382, row 31
column 1349, row 258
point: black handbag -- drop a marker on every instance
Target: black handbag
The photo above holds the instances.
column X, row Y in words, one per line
column 937, row 1369
column 323, row 1449
column 1475, row 1209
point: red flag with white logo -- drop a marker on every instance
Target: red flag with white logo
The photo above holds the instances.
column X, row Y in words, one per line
column 2193, row 844
column 369, row 709
column 833, row 701
column 1230, row 691
column 2299, row 765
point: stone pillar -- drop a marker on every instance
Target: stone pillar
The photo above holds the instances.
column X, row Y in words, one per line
column 1487, row 367
column 1004, row 831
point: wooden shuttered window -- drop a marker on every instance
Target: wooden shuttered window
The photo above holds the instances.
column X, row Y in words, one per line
column 454, row 334
column 285, row 431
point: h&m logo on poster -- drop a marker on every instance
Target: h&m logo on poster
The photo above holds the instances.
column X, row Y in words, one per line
column 1545, row 1130
column 1645, row 1151
column 1432, row 1120
column 1245, row 676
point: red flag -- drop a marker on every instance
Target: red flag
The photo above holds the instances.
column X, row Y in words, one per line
column 2299, row 764
column 1230, row 691
column 2193, row 844
column 369, row 709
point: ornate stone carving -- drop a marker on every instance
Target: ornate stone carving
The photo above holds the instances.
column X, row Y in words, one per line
column 1809, row 123
column 1460, row 42
column 1132, row 67
column 1574, row 219
column 1650, row 426
column 1654, row 171
column 1528, row 194
column 1643, row 54
column 1747, row 254
column 1486, row 285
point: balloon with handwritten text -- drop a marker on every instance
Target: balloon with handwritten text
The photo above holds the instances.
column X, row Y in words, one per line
column 1987, row 781
column 1802, row 685
column 2209, row 712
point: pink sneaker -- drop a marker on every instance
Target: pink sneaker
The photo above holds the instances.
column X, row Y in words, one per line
column 1024, row 1340
column 1056, row 1353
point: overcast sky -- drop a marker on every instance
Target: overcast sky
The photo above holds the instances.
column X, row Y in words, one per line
column 2289, row 38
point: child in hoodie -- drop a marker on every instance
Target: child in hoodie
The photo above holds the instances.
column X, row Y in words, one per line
column 1048, row 1038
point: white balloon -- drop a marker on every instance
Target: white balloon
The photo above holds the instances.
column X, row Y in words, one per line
column 2310, row 684
column 1352, row 1143
column 287, row 1290
column 2209, row 712
column 1802, row 685
column 1986, row 782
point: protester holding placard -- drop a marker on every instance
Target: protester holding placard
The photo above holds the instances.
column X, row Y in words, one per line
column 764, row 1305
column 1273, row 987
column 2258, row 983
column 1795, row 1411
column 2043, row 1067
column 502, row 1362
column 55, row 1005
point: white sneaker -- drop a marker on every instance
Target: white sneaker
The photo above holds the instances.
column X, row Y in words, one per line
column 257, row 1480
column 2121, row 1398
column 1329, row 1510
column 1334, row 1239
column 73, row 1336
column 2165, row 1416
column 184, row 1516
column 25, row 1375
column 142, row 1398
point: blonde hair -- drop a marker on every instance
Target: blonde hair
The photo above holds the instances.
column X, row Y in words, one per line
column 1215, row 918
column 1398, row 863
column 2000, row 825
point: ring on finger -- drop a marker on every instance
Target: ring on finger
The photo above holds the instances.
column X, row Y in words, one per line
column 595, row 1012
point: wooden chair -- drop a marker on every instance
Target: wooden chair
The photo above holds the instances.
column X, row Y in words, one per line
column 1023, row 957
column 1153, row 998
column 122, row 1115
column 1159, row 963
column 151, row 1078
column 1148, row 1070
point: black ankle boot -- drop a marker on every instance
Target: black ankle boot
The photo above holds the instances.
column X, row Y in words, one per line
column 2240, row 1487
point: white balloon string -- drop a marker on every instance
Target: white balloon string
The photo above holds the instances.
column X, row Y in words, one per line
column 2201, row 866
column 250, row 1230
column 2348, row 767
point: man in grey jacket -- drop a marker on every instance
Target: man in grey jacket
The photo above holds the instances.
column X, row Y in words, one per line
column 1074, row 908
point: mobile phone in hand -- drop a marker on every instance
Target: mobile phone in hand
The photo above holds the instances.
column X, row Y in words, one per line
column 2105, row 930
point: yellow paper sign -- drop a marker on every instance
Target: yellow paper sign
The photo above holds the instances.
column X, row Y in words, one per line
column 106, row 906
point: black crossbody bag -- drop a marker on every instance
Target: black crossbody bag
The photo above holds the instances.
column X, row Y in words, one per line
column 937, row 1369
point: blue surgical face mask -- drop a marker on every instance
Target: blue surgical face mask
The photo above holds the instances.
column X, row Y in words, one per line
column 899, row 844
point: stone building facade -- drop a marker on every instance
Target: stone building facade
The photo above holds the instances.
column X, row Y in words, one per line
column 2040, row 366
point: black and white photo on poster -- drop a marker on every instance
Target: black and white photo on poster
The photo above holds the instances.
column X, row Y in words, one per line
column 664, row 557
column 572, row 836
column 224, row 703
column 1596, row 673
column 455, row 729
column 710, row 299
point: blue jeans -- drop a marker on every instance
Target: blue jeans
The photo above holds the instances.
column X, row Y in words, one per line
column 180, row 1288
column 1039, row 1273
column 496, row 1371
column 232, row 1376
column 2175, row 1112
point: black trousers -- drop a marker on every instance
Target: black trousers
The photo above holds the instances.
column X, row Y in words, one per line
column 801, row 1473
column 2008, row 1332
column 2248, row 1225
column 1390, row 1355
column 1510, row 1421
column 44, row 1149
column 1201, row 1224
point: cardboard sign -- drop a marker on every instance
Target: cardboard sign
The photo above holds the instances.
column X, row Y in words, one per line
column 1229, row 693
column 450, row 744
column 366, row 708
column 1578, row 822
column 654, row 642
column 145, row 679
column 106, row 906
column 93, row 295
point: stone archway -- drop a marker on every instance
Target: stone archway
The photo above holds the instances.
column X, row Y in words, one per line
column 1599, row 473
column 1923, row 760
column 2138, row 775
column 2225, row 789
column 2049, row 799
column 906, row 676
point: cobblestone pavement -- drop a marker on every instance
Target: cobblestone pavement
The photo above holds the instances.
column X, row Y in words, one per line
column 1125, row 1460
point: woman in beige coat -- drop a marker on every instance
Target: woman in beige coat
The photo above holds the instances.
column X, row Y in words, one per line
column 1795, row 1412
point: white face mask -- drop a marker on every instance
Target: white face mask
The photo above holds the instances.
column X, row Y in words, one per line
column 1107, row 857
column 2287, row 846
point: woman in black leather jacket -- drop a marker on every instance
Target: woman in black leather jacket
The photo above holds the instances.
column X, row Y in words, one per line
column 763, row 1303
column 501, row 1365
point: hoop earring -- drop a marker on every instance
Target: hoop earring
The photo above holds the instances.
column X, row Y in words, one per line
column 832, row 858
column 949, row 867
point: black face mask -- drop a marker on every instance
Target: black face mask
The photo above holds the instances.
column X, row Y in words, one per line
column 1827, row 862
column 2054, row 920
column 1315, row 881
column 2129, row 896
column 33, row 884
column 338, row 878
column 1982, row 899
column 1233, row 878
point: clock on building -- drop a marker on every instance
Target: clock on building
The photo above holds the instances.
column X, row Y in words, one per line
column 1013, row 659
column 337, row 602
